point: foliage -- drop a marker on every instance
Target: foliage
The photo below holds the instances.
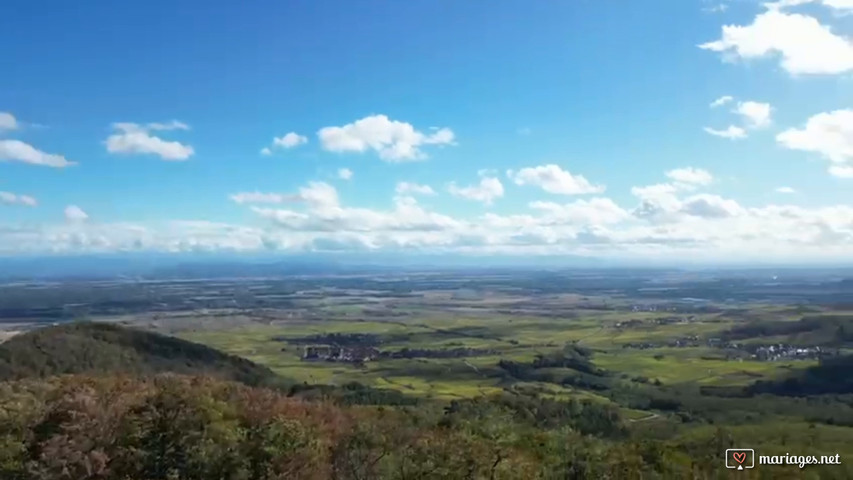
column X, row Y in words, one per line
column 170, row 427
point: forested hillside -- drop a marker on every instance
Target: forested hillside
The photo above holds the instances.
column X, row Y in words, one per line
column 87, row 347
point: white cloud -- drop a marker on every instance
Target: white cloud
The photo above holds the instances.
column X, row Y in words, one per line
column 266, row 151
column 721, row 101
column 394, row 141
column 319, row 194
column 8, row 198
column 804, row 44
column 135, row 139
column 715, row 8
column 289, row 140
column 173, row 125
column 710, row 206
column 656, row 191
column 691, row 176
column 827, row 134
column 324, row 213
column 661, row 203
column 8, row 121
column 595, row 211
column 841, row 5
column 755, row 114
column 841, row 171
column 554, row 179
column 697, row 226
column 73, row 213
column 260, row 197
column 486, row 191
column 732, row 133
column 344, row 173
column 408, row 188
column 18, row 151
column 785, row 190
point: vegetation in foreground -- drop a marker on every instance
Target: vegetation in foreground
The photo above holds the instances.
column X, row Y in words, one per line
column 174, row 427
column 143, row 425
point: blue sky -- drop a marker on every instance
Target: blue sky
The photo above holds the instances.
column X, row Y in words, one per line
column 538, row 127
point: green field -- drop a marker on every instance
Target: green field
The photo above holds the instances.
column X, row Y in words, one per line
column 518, row 338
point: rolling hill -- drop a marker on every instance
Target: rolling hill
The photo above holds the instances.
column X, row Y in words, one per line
column 86, row 347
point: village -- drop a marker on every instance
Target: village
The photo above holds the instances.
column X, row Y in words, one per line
column 741, row 351
column 362, row 354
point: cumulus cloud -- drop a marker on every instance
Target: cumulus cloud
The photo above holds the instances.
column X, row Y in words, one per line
column 409, row 188
column 785, row 190
column 344, row 173
column 136, row 139
column 8, row 121
column 699, row 225
column 662, row 203
column 595, row 211
column 804, row 45
column 554, row 179
column 393, row 140
column 710, row 206
column 732, row 132
column 690, row 176
column 286, row 141
column 486, row 191
column 721, row 101
column 9, row 198
column 755, row 114
column 324, row 213
column 18, row 151
column 827, row 134
column 73, row 213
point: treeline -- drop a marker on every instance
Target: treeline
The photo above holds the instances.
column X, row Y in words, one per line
column 571, row 366
column 832, row 375
column 172, row 427
column 586, row 416
column 821, row 329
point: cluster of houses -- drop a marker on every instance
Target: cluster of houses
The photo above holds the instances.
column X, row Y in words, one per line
column 764, row 353
column 657, row 321
column 362, row 354
column 770, row 353
column 331, row 353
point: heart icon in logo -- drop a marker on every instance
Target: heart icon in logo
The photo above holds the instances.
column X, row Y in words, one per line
column 739, row 456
